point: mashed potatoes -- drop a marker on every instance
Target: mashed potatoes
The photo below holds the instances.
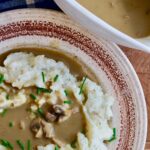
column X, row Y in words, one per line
column 23, row 70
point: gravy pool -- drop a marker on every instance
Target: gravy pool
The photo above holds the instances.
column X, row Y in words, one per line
column 129, row 16
column 73, row 125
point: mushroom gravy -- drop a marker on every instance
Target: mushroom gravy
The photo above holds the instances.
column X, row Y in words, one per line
column 52, row 101
column 129, row 16
column 65, row 131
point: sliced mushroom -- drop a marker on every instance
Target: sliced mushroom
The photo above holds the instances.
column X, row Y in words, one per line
column 66, row 116
column 39, row 134
column 36, row 127
column 58, row 109
column 58, row 142
column 50, row 117
column 48, row 129
column 22, row 125
column 57, row 113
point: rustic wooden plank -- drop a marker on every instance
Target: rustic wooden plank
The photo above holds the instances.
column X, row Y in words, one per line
column 141, row 63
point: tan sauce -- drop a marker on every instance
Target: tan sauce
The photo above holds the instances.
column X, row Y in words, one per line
column 65, row 131
column 129, row 16
column 15, row 133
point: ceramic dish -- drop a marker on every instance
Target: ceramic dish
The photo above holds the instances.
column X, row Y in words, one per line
column 52, row 30
column 99, row 27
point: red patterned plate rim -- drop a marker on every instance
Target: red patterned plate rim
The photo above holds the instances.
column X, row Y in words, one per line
column 44, row 23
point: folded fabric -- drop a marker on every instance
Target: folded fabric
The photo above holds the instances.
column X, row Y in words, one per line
column 6, row 5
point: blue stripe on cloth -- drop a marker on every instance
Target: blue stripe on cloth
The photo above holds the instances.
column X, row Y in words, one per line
column 16, row 4
column 46, row 4
column 12, row 4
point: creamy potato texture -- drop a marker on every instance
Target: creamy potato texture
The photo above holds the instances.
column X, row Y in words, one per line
column 51, row 82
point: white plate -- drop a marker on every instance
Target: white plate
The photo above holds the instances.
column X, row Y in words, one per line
column 52, row 30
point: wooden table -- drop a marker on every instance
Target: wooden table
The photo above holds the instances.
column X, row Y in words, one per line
column 141, row 63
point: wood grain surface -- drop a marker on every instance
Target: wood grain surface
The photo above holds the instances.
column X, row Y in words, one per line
column 141, row 63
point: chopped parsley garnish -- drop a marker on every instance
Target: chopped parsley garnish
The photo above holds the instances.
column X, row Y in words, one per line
column 56, row 78
column 82, row 85
column 73, row 144
column 7, row 96
column 113, row 136
column 43, row 90
column 68, row 102
column 66, row 92
column 83, row 131
column 33, row 96
column 38, row 91
column 40, row 112
column 6, row 144
column 11, row 124
column 20, row 144
column 56, row 147
column 28, row 145
column 4, row 112
column 43, row 77
column 1, row 78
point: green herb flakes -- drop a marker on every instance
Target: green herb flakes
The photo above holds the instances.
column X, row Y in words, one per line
column 1, row 78
column 6, row 144
column 113, row 136
column 38, row 91
column 56, row 147
column 4, row 112
column 66, row 93
column 56, row 78
column 33, row 96
column 40, row 112
column 43, row 90
column 20, row 144
column 43, row 77
column 28, row 145
column 11, row 124
column 73, row 144
column 68, row 102
column 82, row 85
column 7, row 96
